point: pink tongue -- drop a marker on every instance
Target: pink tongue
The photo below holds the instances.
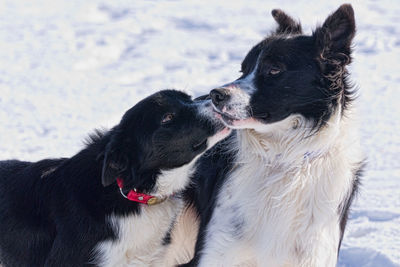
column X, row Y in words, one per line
column 218, row 116
column 243, row 122
column 226, row 130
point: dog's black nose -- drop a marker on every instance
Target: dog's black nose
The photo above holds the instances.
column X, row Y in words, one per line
column 219, row 96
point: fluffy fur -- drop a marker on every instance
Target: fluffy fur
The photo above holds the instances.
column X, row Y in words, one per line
column 278, row 191
column 70, row 212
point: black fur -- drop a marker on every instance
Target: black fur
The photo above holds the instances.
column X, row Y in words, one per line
column 211, row 171
column 286, row 25
column 344, row 209
column 53, row 212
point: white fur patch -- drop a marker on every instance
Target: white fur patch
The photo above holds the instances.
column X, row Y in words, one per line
column 139, row 237
column 280, row 203
column 172, row 181
column 183, row 238
column 240, row 92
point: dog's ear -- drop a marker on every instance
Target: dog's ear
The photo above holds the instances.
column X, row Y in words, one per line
column 333, row 39
column 286, row 25
column 115, row 160
column 111, row 168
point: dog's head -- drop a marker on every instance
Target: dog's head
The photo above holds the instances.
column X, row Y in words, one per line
column 163, row 132
column 289, row 73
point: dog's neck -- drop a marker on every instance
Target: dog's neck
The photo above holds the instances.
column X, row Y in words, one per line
column 172, row 181
column 291, row 142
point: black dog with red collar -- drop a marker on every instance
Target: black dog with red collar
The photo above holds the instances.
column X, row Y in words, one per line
column 70, row 212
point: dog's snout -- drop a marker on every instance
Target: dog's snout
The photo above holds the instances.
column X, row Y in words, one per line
column 219, row 96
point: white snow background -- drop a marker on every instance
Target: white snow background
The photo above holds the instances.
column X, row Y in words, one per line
column 67, row 67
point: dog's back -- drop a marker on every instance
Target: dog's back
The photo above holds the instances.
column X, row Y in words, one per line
column 22, row 192
column 8, row 167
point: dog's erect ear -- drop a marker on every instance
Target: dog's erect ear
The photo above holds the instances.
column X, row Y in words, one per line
column 286, row 25
column 336, row 34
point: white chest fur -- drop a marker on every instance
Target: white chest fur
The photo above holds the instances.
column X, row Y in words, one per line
column 281, row 208
column 139, row 237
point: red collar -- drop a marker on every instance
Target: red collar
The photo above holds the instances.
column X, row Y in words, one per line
column 138, row 197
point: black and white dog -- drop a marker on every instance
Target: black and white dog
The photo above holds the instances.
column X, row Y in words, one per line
column 71, row 212
column 277, row 192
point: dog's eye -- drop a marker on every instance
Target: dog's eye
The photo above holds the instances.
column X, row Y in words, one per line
column 167, row 118
column 274, row 71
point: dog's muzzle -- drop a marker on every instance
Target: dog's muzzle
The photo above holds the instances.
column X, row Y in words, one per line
column 220, row 97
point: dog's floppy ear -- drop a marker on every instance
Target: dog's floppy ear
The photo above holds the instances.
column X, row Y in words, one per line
column 115, row 160
column 286, row 25
column 334, row 38
column 111, row 168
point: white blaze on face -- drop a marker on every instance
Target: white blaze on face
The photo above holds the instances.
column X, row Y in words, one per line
column 245, row 84
column 238, row 106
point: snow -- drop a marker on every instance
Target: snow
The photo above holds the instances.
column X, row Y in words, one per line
column 67, row 67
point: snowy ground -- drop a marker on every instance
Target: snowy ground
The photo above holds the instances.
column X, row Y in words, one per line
column 67, row 67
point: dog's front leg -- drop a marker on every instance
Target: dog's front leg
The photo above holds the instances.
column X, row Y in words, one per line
column 70, row 249
column 62, row 255
column 220, row 246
